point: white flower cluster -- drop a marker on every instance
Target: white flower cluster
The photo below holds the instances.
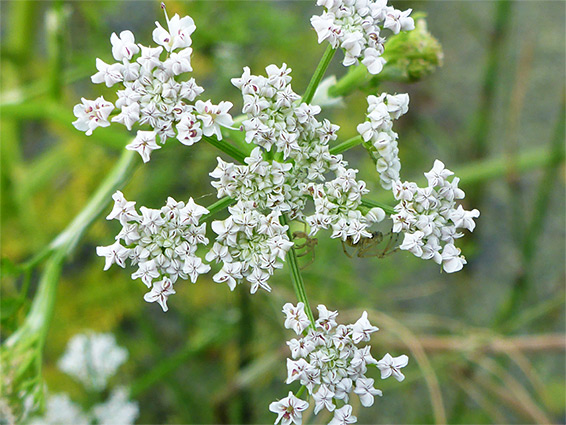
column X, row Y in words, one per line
column 328, row 362
column 291, row 133
column 93, row 359
column 430, row 219
column 151, row 94
column 356, row 25
column 250, row 245
column 377, row 130
column 161, row 242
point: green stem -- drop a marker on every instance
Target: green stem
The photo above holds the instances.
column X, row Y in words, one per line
column 226, row 147
column 520, row 289
column 348, row 144
column 296, row 277
column 217, row 207
column 356, row 77
column 318, row 74
column 121, row 172
column 368, row 203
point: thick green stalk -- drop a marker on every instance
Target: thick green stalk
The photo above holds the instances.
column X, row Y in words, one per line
column 296, row 277
column 348, row 144
column 318, row 74
column 226, row 147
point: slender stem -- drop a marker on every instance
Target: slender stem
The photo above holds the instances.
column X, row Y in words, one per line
column 373, row 204
column 226, row 147
column 348, row 144
column 356, row 77
column 217, row 207
column 121, row 172
column 318, row 74
column 297, row 278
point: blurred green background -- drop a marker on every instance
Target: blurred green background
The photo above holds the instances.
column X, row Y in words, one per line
column 486, row 344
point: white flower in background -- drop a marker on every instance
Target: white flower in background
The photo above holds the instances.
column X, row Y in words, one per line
column 93, row 359
column 60, row 410
column 162, row 243
column 329, row 363
column 392, row 366
column 154, row 91
column 289, row 410
column 356, row 27
column 117, row 410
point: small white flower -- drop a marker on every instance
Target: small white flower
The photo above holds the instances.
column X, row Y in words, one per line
column 438, row 174
column 129, row 116
column 326, row 319
column 229, row 273
column 296, row 317
column 323, row 399
column 213, row 116
column 123, row 210
column 392, row 366
column 114, row 253
column 149, row 57
column 452, row 261
column 160, row 292
column 289, row 410
column 92, row 114
column 343, row 416
column 179, row 34
column 144, row 144
column 109, row 74
column 194, row 266
column 362, row 329
column 124, row 47
column 295, row 370
column 365, row 390
column 147, row 271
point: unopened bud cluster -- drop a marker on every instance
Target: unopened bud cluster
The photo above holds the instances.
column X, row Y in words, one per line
column 326, row 359
column 356, row 25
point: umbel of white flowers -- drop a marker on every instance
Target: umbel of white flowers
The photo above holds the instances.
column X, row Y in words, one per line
column 153, row 92
column 326, row 359
column 290, row 171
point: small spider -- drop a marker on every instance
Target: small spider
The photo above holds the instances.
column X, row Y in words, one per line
column 308, row 246
column 369, row 247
